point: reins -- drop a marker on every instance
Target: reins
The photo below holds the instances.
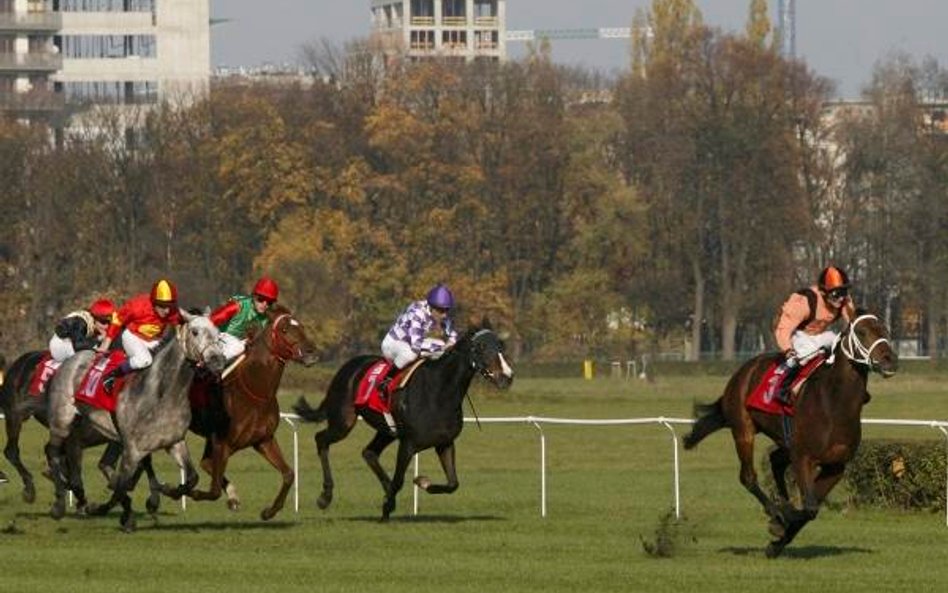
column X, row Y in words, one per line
column 282, row 350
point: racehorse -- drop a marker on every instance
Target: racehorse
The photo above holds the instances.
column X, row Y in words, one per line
column 251, row 408
column 826, row 428
column 152, row 410
column 18, row 406
column 427, row 412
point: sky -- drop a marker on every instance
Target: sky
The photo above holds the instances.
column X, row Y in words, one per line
column 839, row 39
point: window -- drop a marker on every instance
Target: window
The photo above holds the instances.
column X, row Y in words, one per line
column 112, row 92
column 104, row 5
column 109, row 46
column 422, row 40
column 454, row 39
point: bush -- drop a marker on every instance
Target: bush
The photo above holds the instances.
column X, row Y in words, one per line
column 893, row 474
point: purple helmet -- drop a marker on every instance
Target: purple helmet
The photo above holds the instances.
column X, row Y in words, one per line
column 441, row 297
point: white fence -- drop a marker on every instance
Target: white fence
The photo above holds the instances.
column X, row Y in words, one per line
column 537, row 422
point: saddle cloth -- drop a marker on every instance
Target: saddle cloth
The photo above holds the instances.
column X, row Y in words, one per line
column 42, row 374
column 757, row 400
column 91, row 390
column 368, row 394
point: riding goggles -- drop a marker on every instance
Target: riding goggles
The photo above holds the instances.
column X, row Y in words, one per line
column 837, row 293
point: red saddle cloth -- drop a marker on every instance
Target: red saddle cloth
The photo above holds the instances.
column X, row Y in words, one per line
column 42, row 374
column 90, row 388
column 757, row 400
column 368, row 394
column 201, row 392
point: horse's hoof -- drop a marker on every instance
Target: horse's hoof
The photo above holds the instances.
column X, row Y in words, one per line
column 776, row 528
column 422, row 482
column 267, row 514
column 29, row 495
column 773, row 549
column 58, row 510
column 233, row 504
column 153, row 504
column 97, row 510
column 129, row 526
column 324, row 500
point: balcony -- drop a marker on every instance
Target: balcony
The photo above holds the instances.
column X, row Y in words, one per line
column 38, row 62
column 454, row 21
column 422, row 21
column 486, row 21
column 31, row 102
column 32, row 22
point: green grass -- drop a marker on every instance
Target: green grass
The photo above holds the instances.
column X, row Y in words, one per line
column 608, row 488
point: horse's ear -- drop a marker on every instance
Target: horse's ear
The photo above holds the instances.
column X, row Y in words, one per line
column 206, row 311
column 485, row 323
column 185, row 315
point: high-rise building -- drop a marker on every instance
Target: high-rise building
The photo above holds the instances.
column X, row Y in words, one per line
column 460, row 29
column 93, row 52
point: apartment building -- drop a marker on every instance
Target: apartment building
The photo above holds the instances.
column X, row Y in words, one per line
column 55, row 53
column 457, row 29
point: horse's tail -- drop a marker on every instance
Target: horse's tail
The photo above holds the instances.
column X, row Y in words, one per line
column 307, row 412
column 710, row 419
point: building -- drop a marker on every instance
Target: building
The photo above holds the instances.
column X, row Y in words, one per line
column 460, row 29
column 55, row 53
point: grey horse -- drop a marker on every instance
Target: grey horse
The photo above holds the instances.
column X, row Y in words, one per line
column 152, row 412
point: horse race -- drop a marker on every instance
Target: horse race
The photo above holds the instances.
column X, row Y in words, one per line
column 473, row 295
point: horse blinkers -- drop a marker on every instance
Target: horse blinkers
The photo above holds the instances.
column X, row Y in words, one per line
column 873, row 340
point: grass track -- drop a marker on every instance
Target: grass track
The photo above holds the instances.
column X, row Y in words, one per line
column 608, row 487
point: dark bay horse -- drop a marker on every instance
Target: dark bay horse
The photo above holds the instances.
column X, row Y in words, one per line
column 152, row 412
column 826, row 427
column 427, row 412
column 18, row 406
column 251, row 407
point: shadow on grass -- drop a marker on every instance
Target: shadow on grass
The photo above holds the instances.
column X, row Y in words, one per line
column 144, row 525
column 803, row 553
column 446, row 519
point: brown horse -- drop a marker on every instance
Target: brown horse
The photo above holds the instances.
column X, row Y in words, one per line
column 251, row 412
column 827, row 426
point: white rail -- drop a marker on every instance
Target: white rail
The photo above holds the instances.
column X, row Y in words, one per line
column 537, row 422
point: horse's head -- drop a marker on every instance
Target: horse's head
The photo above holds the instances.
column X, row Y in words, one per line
column 487, row 356
column 198, row 337
column 287, row 337
column 867, row 342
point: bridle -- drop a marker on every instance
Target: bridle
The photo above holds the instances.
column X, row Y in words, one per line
column 475, row 362
column 187, row 346
column 282, row 348
column 854, row 349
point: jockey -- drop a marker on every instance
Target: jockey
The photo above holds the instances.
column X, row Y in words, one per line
column 241, row 313
column 423, row 329
column 81, row 330
column 144, row 318
column 803, row 327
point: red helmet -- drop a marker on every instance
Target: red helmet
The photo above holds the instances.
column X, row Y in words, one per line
column 164, row 294
column 833, row 277
column 102, row 309
column 267, row 288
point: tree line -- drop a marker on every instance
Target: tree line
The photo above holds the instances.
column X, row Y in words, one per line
column 671, row 208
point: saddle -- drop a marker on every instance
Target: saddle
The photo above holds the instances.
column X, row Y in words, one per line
column 91, row 390
column 368, row 395
column 757, row 401
column 43, row 372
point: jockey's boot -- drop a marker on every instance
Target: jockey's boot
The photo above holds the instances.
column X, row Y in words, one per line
column 790, row 370
column 108, row 382
column 385, row 383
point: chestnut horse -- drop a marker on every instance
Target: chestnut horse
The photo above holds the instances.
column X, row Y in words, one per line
column 427, row 412
column 251, row 413
column 827, row 424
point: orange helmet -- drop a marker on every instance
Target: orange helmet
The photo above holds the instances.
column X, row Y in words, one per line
column 267, row 288
column 102, row 310
column 164, row 294
column 832, row 277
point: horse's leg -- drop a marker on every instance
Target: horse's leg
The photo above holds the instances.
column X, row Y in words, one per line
column 220, row 453
column 446, row 455
column 230, row 490
column 813, row 496
column 406, row 450
column 74, row 471
column 109, row 459
column 155, row 486
column 337, row 430
column 371, row 454
column 744, row 443
column 14, row 423
column 55, row 459
column 779, row 462
column 182, row 456
column 270, row 449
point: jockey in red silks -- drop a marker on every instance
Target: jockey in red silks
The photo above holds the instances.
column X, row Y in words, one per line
column 84, row 329
column 804, row 325
column 144, row 318
column 241, row 313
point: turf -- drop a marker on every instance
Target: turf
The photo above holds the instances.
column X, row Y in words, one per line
column 608, row 489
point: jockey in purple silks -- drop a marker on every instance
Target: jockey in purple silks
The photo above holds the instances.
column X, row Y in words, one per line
column 423, row 329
